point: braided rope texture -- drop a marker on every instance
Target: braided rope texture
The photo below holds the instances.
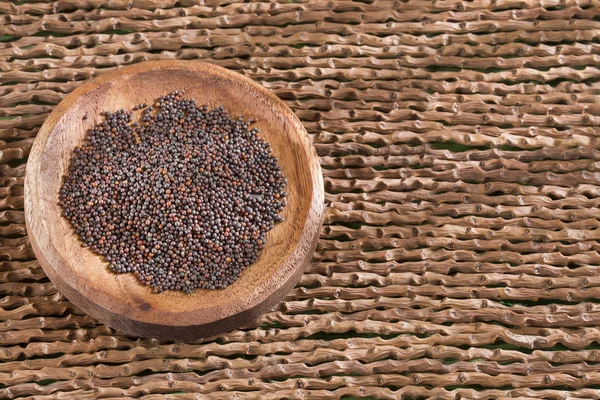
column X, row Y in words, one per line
column 460, row 252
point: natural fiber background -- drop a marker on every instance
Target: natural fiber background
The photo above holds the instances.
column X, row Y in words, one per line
column 459, row 142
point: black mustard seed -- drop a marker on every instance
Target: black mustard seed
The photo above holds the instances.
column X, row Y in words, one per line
column 182, row 198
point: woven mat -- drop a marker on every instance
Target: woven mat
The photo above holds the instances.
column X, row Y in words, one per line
column 459, row 144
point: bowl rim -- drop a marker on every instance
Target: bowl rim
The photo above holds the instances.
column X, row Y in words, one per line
column 303, row 250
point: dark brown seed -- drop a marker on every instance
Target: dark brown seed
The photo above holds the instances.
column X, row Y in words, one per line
column 183, row 199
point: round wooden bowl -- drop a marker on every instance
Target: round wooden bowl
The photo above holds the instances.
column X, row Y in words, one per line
column 119, row 300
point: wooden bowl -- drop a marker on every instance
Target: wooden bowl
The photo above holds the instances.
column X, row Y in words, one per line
column 119, row 300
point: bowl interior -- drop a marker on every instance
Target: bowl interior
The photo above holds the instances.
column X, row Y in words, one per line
column 122, row 294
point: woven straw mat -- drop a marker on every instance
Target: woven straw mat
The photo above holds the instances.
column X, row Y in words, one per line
column 460, row 249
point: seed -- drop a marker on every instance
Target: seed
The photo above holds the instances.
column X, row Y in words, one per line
column 169, row 200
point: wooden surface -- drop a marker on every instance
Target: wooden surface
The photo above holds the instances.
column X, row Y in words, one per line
column 119, row 300
column 459, row 256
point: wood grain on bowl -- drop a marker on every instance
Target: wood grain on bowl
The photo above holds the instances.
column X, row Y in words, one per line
column 118, row 299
